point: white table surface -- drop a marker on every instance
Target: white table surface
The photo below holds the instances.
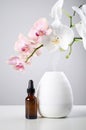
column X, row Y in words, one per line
column 13, row 118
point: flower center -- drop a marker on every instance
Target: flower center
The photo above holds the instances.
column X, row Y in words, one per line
column 40, row 33
column 55, row 40
column 25, row 48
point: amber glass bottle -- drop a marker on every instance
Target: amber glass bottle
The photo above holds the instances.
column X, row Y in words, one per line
column 31, row 102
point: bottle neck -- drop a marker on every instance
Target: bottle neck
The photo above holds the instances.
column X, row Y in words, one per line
column 30, row 94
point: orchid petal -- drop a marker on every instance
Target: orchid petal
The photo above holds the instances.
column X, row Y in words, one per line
column 79, row 28
column 56, row 11
column 56, row 23
column 47, row 42
column 67, row 39
column 80, row 13
column 17, row 63
column 64, row 36
column 84, row 9
column 84, row 43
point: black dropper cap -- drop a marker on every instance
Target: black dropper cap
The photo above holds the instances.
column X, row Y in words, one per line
column 30, row 87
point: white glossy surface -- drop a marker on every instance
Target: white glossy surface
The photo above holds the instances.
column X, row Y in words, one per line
column 12, row 118
column 54, row 95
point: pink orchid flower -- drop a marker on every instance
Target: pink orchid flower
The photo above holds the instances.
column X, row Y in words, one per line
column 23, row 45
column 32, row 35
column 39, row 29
column 42, row 27
column 17, row 63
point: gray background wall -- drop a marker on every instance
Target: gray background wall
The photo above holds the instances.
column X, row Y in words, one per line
column 17, row 16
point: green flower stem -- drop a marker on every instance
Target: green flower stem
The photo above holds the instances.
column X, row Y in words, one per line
column 70, row 50
column 33, row 52
column 76, row 39
column 70, row 17
column 71, row 22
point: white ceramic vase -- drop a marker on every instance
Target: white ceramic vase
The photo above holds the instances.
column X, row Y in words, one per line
column 54, row 95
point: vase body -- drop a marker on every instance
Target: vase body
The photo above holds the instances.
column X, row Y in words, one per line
column 54, row 95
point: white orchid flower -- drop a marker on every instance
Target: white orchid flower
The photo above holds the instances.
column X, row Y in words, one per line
column 81, row 26
column 56, row 11
column 61, row 35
